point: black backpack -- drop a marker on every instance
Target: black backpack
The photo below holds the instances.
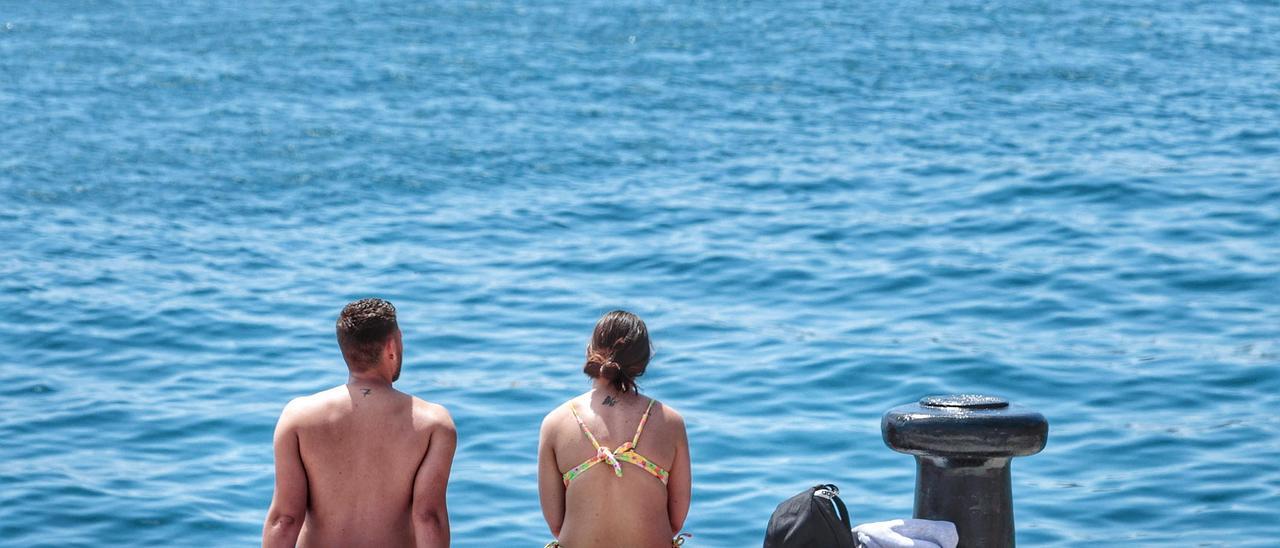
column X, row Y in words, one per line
column 815, row 518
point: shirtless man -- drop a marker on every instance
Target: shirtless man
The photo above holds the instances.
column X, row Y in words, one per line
column 362, row 464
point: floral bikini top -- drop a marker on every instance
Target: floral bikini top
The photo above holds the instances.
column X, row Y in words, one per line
column 624, row 453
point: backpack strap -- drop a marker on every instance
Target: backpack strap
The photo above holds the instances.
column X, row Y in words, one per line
column 830, row 492
column 844, row 512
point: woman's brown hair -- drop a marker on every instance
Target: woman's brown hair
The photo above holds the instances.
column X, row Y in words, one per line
column 619, row 350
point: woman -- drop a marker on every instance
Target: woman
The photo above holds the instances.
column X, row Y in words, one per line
column 613, row 465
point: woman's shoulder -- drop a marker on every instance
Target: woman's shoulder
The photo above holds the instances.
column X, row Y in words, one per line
column 557, row 411
column 560, row 412
column 666, row 413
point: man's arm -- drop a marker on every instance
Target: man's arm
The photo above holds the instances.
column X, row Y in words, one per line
column 289, row 503
column 680, row 482
column 550, row 482
column 430, row 512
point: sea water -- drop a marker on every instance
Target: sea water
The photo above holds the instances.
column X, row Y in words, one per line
column 822, row 210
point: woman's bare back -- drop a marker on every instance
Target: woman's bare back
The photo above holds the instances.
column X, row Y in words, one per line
column 600, row 508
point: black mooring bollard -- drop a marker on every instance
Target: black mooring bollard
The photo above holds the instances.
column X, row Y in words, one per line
column 963, row 445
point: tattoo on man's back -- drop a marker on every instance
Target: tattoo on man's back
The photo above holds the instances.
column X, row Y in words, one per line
column 610, row 401
column 366, row 391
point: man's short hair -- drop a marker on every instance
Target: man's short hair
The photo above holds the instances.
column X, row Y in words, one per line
column 363, row 327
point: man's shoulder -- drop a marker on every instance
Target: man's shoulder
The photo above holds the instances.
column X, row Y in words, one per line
column 302, row 408
column 428, row 415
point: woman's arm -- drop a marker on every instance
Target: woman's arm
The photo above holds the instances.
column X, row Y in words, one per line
column 550, row 482
column 680, row 481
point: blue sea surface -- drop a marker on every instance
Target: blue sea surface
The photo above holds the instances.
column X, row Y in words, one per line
column 822, row 210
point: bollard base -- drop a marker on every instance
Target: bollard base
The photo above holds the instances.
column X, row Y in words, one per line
column 972, row 493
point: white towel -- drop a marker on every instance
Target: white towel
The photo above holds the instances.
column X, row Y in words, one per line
column 907, row 533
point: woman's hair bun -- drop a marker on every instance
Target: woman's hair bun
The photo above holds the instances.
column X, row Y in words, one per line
column 619, row 350
column 610, row 370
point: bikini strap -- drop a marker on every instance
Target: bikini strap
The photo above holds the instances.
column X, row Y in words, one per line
column 640, row 427
column 583, row 425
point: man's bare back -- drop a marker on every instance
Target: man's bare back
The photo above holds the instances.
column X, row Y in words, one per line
column 362, row 464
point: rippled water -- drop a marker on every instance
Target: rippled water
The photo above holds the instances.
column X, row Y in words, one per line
column 822, row 210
